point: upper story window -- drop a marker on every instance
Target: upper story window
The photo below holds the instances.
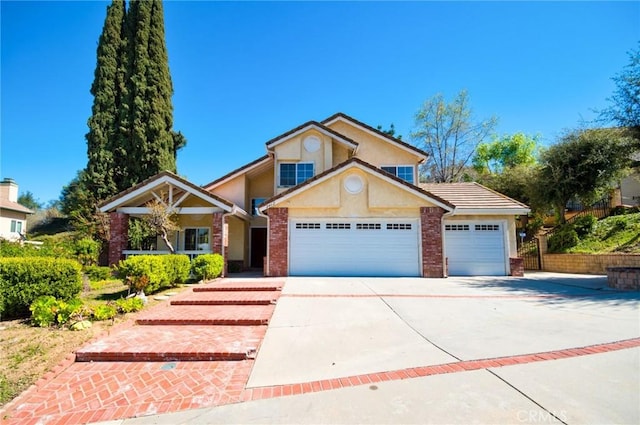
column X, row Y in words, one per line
column 255, row 202
column 405, row 172
column 292, row 174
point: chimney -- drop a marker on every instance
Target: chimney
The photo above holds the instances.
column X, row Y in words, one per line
column 9, row 190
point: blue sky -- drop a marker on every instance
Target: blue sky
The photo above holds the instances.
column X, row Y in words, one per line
column 245, row 72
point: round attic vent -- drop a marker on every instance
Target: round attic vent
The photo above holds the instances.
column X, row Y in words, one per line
column 353, row 184
column 311, row 144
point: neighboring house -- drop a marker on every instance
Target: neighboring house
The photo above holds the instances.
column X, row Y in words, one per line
column 13, row 216
column 336, row 198
column 630, row 185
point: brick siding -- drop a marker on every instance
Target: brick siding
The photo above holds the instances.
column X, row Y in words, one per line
column 217, row 238
column 431, row 227
column 516, row 265
column 119, row 231
column 277, row 259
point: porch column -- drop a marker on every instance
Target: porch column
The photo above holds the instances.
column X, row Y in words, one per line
column 119, row 236
column 277, row 258
column 217, row 238
column 431, row 228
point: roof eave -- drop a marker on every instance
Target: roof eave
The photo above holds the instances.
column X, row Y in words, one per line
column 491, row 211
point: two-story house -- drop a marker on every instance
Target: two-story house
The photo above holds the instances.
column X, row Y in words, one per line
column 336, row 198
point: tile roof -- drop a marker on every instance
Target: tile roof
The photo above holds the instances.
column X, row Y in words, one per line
column 236, row 171
column 473, row 196
column 5, row 204
column 316, row 124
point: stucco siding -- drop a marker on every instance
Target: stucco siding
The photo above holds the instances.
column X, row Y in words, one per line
column 233, row 190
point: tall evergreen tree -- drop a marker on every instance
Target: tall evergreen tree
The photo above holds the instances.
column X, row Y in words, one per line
column 131, row 133
column 98, row 178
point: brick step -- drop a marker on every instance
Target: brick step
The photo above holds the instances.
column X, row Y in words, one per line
column 210, row 315
column 175, row 343
column 229, row 298
column 238, row 286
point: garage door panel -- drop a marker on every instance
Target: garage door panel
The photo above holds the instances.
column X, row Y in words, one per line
column 475, row 248
column 354, row 248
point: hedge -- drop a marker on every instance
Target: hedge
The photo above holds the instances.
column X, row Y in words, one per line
column 207, row 266
column 22, row 280
column 160, row 271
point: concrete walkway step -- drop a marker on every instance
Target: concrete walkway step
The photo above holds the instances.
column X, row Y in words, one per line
column 175, row 343
column 229, row 298
column 239, row 286
column 225, row 315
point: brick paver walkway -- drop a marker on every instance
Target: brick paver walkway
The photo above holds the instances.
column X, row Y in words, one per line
column 82, row 392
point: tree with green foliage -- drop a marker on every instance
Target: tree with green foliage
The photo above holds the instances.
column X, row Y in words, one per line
column 27, row 199
column 99, row 176
column 131, row 136
column 505, row 152
column 449, row 133
column 584, row 164
column 624, row 108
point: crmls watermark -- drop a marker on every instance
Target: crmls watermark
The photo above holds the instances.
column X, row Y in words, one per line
column 541, row 416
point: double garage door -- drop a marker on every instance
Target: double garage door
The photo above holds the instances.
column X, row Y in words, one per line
column 475, row 248
column 354, row 248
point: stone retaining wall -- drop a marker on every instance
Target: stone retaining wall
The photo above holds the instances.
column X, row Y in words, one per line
column 587, row 263
column 627, row 278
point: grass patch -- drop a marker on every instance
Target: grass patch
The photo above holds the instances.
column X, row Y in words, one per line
column 616, row 234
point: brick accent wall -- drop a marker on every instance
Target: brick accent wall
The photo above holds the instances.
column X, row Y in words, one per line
column 587, row 263
column 277, row 259
column 516, row 265
column 217, row 225
column 431, row 227
column 119, row 231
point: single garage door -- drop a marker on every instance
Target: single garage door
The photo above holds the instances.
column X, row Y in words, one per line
column 354, row 248
column 475, row 248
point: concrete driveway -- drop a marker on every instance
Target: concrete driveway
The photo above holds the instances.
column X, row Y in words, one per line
column 547, row 348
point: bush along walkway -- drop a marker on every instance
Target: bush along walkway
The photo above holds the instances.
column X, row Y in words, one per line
column 196, row 350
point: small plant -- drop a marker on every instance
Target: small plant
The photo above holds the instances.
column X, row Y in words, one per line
column 563, row 239
column 129, row 305
column 207, row 266
column 104, row 312
column 584, row 225
column 47, row 311
column 97, row 273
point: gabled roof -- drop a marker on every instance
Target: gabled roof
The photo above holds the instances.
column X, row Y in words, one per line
column 358, row 163
column 315, row 126
column 474, row 198
column 161, row 178
column 344, row 117
column 243, row 169
column 6, row 204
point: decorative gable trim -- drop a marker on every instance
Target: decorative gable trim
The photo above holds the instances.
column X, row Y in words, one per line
column 309, row 126
column 375, row 132
column 165, row 177
column 362, row 165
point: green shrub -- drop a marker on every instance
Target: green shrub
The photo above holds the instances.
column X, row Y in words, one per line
column 97, row 273
column 584, row 225
column 129, row 305
column 154, row 272
column 178, row 268
column 47, row 311
column 207, row 266
column 562, row 240
column 86, row 251
column 23, row 280
column 104, row 312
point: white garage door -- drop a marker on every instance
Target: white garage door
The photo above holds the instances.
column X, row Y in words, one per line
column 354, row 248
column 475, row 248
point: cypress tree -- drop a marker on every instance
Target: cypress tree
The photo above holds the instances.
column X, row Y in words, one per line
column 98, row 178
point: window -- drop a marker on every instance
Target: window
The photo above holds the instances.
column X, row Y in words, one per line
column 456, row 227
column 16, row 226
column 405, row 172
column 292, row 174
column 368, row 226
column 487, row 227
column 196, row 239
column 307, row 225
column 398, row 226
column 254, row 205
column 338, row 226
